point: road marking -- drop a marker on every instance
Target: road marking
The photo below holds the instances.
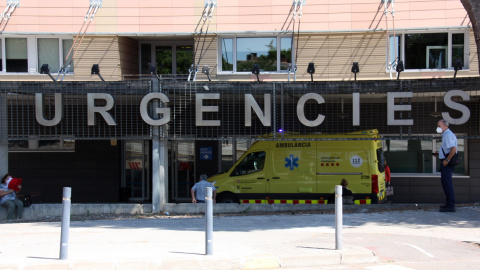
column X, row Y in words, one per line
column 419, row 249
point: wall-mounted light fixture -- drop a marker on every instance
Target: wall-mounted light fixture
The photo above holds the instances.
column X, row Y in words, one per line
column 152, row 70
column 311, row 70
column 458, row 66
column 399, row 69
column 256, row 71
column 96, row 70
column 355, row 69
column 46, row 70
column 206, row 71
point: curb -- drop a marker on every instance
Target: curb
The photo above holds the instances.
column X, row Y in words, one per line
column 350, row 255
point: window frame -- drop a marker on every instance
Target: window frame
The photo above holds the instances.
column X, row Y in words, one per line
column 450, row 46
column 32, row 53
column 234, row 53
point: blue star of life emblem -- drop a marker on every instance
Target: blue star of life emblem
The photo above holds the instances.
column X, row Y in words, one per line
column 291, row 162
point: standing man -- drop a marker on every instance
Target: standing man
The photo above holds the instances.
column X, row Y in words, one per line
column 446, row 153
column 198, row 190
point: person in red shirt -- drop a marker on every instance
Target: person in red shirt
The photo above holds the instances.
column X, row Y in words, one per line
column 387, row 172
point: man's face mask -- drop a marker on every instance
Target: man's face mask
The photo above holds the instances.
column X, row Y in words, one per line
column 439, row 130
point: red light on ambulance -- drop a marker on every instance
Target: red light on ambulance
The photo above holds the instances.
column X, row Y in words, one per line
column 375, row 184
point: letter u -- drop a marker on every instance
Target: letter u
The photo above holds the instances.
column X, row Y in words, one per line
column 39, row 110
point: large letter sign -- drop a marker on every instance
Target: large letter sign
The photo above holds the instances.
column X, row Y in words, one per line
column 103, row 111
column 392, row 108
column 456, row 106
column 301, row 112
column 250, row 104
column 165, row 111
column 200, row 109
column 39, row 110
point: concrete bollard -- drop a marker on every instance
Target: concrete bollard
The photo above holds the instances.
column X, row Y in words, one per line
column 338, row 217
column 66, row 205
column 208, row 221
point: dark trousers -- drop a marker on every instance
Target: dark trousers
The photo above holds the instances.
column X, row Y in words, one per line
column 447, row 184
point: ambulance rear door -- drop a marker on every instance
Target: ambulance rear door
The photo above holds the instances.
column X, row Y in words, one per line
column 346, row 160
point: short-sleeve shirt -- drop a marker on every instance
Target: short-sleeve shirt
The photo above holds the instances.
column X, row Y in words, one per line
column 449, row 140
column 8, row 197
column 199, row 189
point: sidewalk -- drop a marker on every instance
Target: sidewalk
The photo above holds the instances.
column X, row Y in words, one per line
column 239, row 242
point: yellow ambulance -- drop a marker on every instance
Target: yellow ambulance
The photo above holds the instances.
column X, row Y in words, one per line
column 304, row 169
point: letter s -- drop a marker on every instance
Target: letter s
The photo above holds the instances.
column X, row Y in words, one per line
column 447, row 99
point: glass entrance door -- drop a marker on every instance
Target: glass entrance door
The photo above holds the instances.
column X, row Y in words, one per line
column 183, row 171
column 174, row 61
column 136, row 179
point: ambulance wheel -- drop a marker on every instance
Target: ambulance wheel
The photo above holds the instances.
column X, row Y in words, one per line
column 227, row 198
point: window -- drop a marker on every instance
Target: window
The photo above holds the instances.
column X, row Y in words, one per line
column 48, row 53
column 17, row 56
column 170, row 60
column 184, row 59
column 415, row 156
column 251, row 163
column 27, row 55
column 429, row 51
column 66, row 46
column 380, row 158
column 239, row 54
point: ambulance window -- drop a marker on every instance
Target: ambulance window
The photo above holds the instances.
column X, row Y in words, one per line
column 251, row 163
column 380, row 158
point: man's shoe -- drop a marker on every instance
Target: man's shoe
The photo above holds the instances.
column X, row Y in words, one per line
column 443, row 206
column 447, row 209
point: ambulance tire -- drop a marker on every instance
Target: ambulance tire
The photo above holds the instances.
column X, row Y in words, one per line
column 227, row 198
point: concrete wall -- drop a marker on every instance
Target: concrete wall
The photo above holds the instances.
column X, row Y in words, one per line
column 123, row 16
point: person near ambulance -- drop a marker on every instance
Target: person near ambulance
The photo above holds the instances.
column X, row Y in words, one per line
column 198, row 190
column 388, row 176
column 347, row 194
column 446, row 153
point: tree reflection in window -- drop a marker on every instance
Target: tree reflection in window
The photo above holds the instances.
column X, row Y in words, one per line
column 270, row 53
